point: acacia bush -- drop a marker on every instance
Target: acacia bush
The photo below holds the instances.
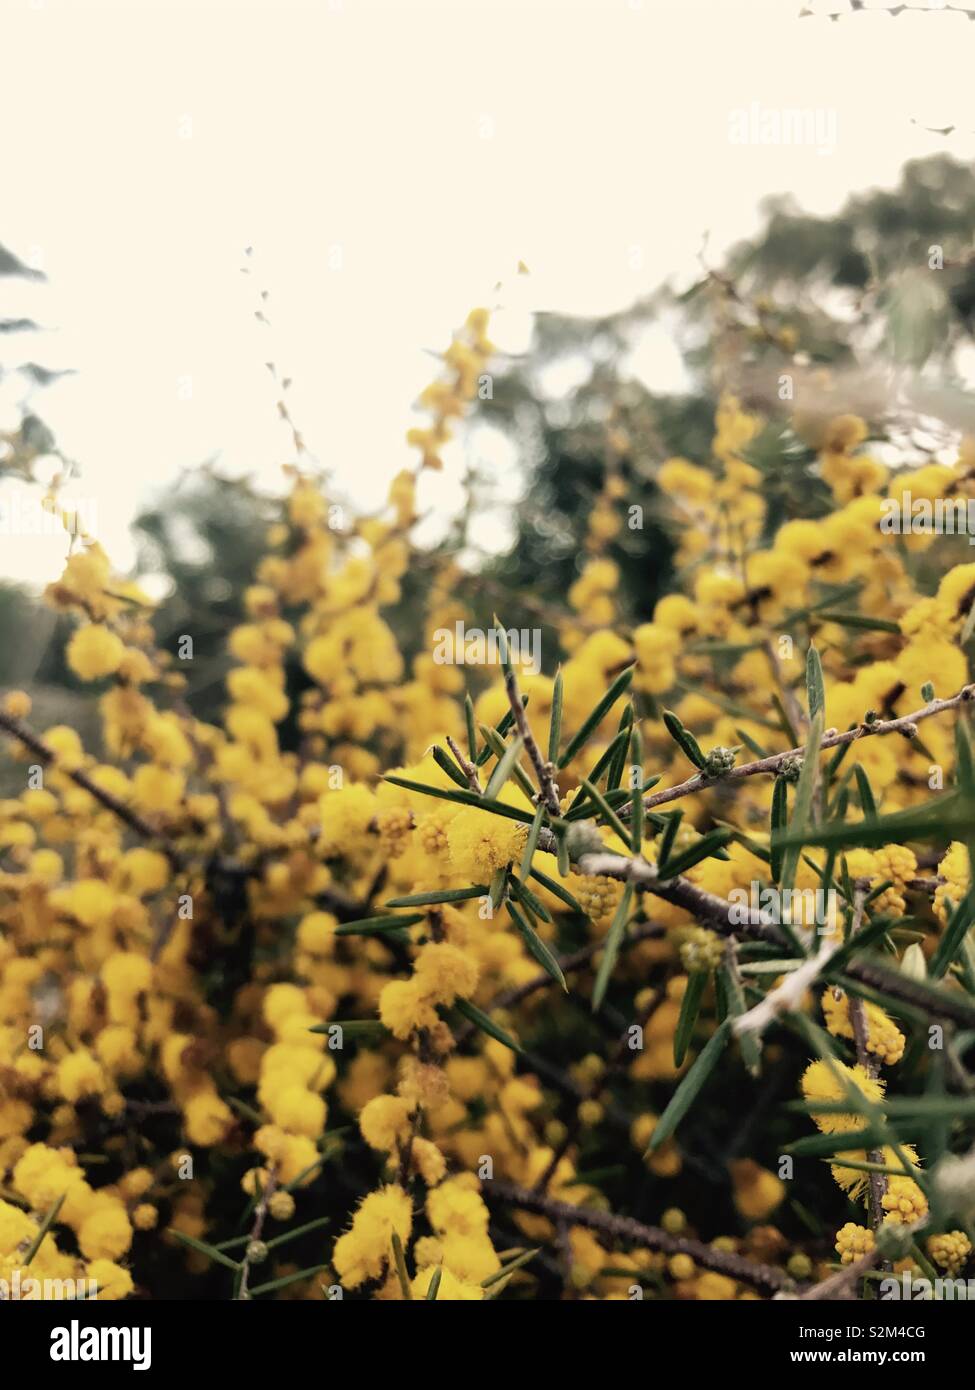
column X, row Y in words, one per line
column 643, row 970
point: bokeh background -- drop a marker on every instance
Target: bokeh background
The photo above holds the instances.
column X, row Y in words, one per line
column 212, row 208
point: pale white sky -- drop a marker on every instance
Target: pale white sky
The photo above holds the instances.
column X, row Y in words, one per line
column 390, row 161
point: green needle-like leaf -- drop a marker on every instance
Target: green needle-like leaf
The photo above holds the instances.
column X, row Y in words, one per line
column 371, row 926
column 802, row 805
column 49, row 1219
column 537, row 947
column 471, row 725
column 401, row 1272
column 868, row 803
column 609, row 815
column 947, row 816
column 468, row 798
column 953, row 937
column 815, row 688
column 690, row 1007
column 531, row 900
column 439, row 895
column 636, row 814
column 614, row 939
column 687, row 1092
column 211, row 1251
column 555, row 723
column 684, row 739
column 531, row 844
column 592, row 722
column 487, row 1025
column 446, row 763
column 704, row 848
column 779, row 821
column 557, row 890
column 503, row 769
column 287, row 1279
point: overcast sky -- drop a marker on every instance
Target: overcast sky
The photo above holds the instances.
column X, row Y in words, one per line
column 389, row 162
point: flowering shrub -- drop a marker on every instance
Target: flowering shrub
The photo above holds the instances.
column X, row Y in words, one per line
column 423, row 982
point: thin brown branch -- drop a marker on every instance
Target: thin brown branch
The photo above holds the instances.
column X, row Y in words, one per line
column 548, row 792
column 16, row 728
column 260, row 1216
column 840, row 1285
column 861, row 1035
column 466, row 766
column 832, row 739
column 634, row 1233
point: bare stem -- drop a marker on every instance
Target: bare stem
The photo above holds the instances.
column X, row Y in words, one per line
column 260, row 1216
column 16, row 728
column 544, row 770
column 466, row 766
column 832, row 739
column 630, row 1232
column 861, row 1035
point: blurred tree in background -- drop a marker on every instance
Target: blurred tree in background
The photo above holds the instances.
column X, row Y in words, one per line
column 892, row 275
column 889, row 279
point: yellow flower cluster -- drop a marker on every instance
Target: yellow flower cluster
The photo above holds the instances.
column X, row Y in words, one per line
column 883, row 1038
column 189, row 916
column 951, row 1251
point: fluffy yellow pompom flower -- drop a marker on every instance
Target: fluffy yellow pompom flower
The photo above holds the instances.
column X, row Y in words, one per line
column 117, row 1048
column 757, row 1191
column 126, row 972
column 855, row 1182
column 821, row 1082
column 15, row 1227
column 954, row 870
column 364, row 1251
column 385, row 1122
column 42, row 1174
column 403, row 1008
column 94, row 651
column 444, row 973
column 316, row 933
column 17, row 703
column 147, row 870
column 457, row 1207
column 107, row 1233
column 80, row 1075
column 480, row 842
column 345, row 819
column 145, row 1216
column 89, row 900
column 430, row 1163
column 113, row 1281
column 298, row 1110
column 884, row 1038
column 157, row 788
column 208, row 1120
